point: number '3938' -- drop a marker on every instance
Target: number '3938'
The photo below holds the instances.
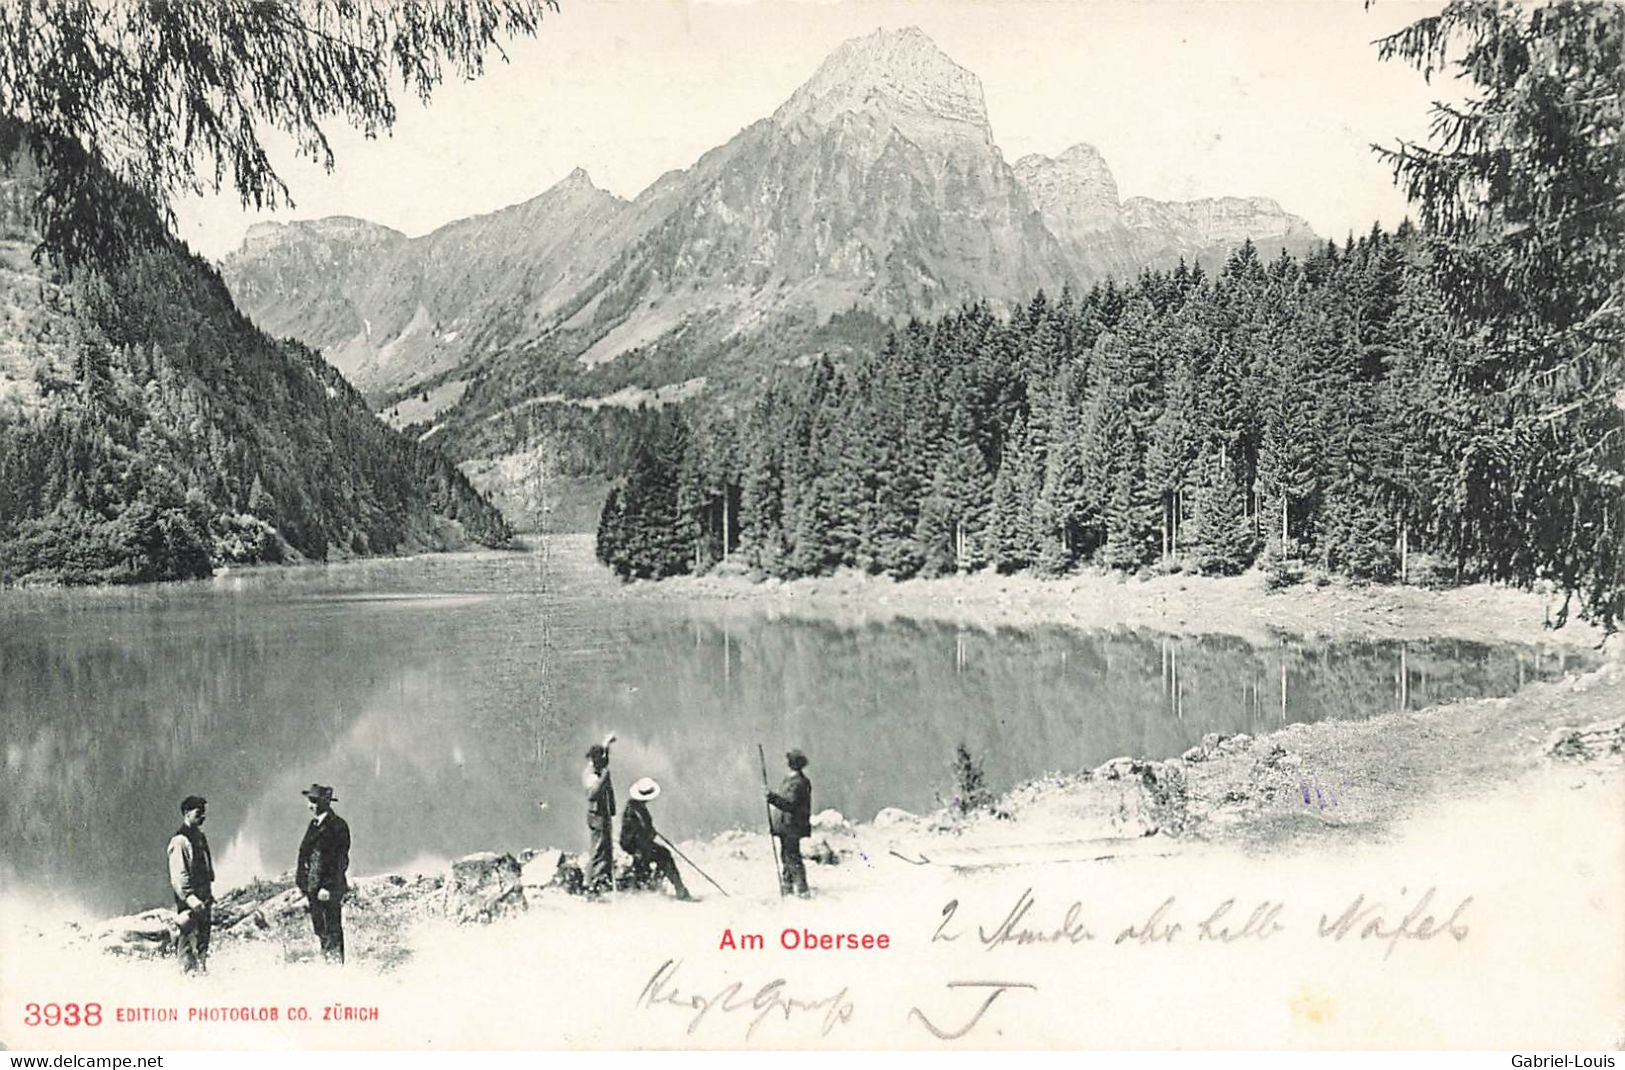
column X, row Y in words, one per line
column 69, row 1014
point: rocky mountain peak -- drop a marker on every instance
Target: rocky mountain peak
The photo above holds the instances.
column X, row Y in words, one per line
column 1073, row 190
column 576, row 180
column 263, row 237
column 1229, row 219
column 1085, row 161
column 900, row 76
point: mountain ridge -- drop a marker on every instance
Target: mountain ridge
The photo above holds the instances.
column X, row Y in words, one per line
column 876, row 189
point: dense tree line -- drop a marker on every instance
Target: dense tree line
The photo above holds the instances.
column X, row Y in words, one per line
column 1296, row 413
column 152, row 432
column 1182, row 417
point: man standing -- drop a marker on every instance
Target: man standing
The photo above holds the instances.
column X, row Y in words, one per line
column 792, row 819
column 324, row 856
column 638, row 840
column 600, row 814
column 191, row 877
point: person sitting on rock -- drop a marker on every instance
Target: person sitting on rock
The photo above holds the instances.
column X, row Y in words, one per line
column 638, row 840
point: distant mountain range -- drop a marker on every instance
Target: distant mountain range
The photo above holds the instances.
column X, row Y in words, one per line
column 875, row 193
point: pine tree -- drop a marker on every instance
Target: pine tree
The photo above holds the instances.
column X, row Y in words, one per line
column 1219, row 539
column 644, row 531
column 1014, row 542
column 953, row 527
column 1522, row 201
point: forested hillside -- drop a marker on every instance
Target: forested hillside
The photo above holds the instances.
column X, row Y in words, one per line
column 1295, row 413
column 149, row 431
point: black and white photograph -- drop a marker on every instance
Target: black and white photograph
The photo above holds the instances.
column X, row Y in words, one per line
column 919, row 525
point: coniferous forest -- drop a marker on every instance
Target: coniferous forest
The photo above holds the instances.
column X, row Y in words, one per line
column 1292, row 414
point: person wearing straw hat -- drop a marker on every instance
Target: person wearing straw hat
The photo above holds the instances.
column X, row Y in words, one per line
column 324, row 857
column 638, row 840
column 791, row 820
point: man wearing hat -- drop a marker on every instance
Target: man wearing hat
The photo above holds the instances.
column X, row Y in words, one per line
column 191, row 877
column 324, row 856
column 600, row 791
column 638, row 840
column 791, row 820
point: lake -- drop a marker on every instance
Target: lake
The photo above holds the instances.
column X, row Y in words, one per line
column 447, row 697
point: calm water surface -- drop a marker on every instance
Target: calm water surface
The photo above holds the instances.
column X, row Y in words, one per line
column 446, row 698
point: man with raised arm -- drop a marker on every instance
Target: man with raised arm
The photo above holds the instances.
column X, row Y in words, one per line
column 600, row 791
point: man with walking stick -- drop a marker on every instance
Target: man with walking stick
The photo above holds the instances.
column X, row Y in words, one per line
column 790, row 818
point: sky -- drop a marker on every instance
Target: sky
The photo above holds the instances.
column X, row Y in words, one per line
column 1278, row 99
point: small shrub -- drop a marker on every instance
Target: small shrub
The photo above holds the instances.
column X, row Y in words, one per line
column 1430, row 571
column 970, row 787
column 1281, row 571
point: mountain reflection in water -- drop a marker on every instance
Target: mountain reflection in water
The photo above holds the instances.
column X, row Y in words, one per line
column 445, row 698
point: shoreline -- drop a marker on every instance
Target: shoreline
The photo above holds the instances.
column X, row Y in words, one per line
column 1175, row 604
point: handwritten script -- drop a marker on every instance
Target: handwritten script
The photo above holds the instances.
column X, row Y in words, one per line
column 1386, row 922
column 735, row 999
column 990, row 991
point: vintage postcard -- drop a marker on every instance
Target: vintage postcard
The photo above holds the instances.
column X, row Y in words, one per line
column 811, row 525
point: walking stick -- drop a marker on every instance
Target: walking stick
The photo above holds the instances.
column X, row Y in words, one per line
column 771, row 838
column 691, row 862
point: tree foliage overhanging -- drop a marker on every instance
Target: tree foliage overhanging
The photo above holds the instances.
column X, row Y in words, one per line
column 1442, row 405
column 168, row 97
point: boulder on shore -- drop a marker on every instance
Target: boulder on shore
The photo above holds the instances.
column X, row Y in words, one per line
column 1218, row 745
column 1153, row 798
column 892, row 817
column 1600, row 739
column 149, row 934
column 539, row 869
column 484, row 887
column 821, row 852
column 828, row 821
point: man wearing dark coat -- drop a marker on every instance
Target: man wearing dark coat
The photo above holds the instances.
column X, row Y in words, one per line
column 791, row 820
column 324, row 856
column 191, row 878
column 600, row 791
column 638, row 840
